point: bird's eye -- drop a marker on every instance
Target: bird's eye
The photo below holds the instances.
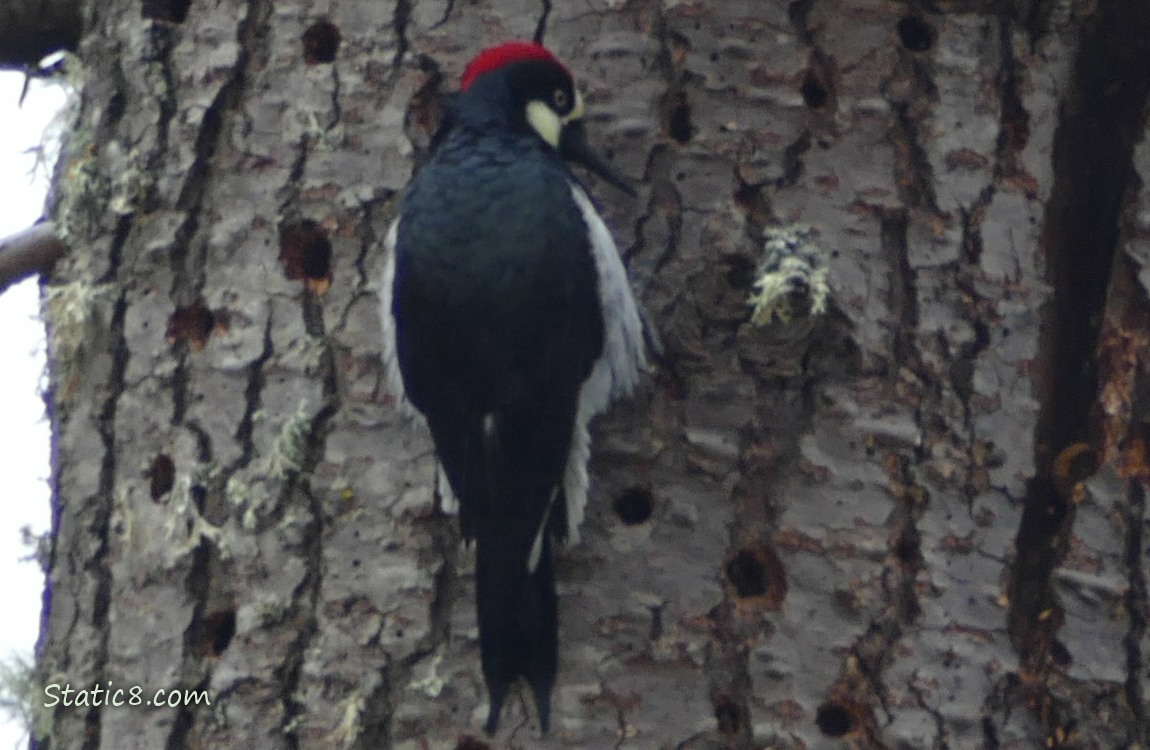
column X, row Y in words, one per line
column 561, row 100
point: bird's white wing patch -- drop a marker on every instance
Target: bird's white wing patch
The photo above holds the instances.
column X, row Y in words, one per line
column 537, row 543
column 393, row 378
column 616, row 372
column 447, row 501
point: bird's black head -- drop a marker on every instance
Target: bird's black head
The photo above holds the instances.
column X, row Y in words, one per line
column 536, row 92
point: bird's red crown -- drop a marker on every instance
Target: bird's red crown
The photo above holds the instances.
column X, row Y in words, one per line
column 496, row 57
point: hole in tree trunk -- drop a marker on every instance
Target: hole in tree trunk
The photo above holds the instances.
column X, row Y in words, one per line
column 677, row 117
column 907, row 547
column 634, row 505
column 756, row 577
column 320, row 43
column 172, row 11
column 814, row 93
column 163, row 475
column 834, row 720
column 219, row 629
column 748, row 575
column 192, row 324
column 915, row 34
column 305, row 252
column 728, row 715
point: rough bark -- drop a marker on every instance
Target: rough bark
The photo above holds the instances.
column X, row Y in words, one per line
column 33, row 29
column 914, row 521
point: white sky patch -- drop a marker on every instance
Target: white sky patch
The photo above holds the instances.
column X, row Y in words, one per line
column 24, row 430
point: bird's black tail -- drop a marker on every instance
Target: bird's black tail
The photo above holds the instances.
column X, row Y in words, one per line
column 518, row 619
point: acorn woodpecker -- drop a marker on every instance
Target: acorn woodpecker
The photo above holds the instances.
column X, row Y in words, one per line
column 508, row 324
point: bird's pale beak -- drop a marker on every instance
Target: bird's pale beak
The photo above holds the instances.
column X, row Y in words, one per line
column 573, row 147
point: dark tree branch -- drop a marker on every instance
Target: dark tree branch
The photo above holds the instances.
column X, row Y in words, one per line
column 32, row 29
column 32, row 251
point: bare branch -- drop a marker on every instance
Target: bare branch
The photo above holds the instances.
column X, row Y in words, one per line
column 32, row 251
column 32, row 29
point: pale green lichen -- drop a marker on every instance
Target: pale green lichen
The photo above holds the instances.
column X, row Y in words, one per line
column 323, row 138
column 132, row 187
column 306, row 353
column 253, row 494
column 18, row 691
column 122, row 515
column 84, row 191
column 291, row 446
column 792, row 278
column 237, row 491
column 250, row 520
column 269, row 609
column 351, row 723
column 80, row 196
column 249, row 497
column 185, row 527
column 433, row 683
column 293, row 724
column 73, row 312
column 39, row 546
column 64, row 122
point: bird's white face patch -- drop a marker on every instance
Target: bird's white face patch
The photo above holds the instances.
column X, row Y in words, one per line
column 548, row 123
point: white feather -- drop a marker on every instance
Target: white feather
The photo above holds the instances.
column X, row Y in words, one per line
column 616, row 372
column 393, row 378
column 537, row 544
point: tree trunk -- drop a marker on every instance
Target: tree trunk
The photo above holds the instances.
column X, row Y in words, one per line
column 913, row 521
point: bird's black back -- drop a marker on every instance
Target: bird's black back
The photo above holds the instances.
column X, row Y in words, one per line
column 497, row 312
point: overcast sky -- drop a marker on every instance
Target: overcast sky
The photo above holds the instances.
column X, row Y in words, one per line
column 24, row 430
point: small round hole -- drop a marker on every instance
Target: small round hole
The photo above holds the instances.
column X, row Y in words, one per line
column 634, row 505
column 741, row 273
column 163, row 476
column 678, row 116
column 171, row 11
column 320, row 43
column 317, row 259
column 747, row 574
column 815, row 94
column 834, row 720
column 192, row 324
column 727, row 715
column 915, row 34
column 306, row 254
column 908, row 548
column 219, row 629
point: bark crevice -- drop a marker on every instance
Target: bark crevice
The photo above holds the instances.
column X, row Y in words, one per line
column 1101, row 116
column 100, row 525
